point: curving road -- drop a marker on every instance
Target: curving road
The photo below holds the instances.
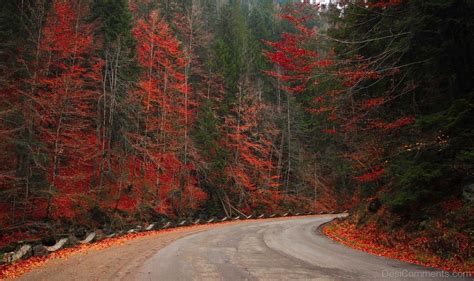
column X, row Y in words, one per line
column 276, row 250
column 282, row 249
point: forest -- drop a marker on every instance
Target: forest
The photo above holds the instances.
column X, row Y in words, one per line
column 115, row 112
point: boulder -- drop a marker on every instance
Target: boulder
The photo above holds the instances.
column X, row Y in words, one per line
column 99, row 235
column 71, row 241
column 468, row 193
column 374, row 205
column 80, row 233
column 40, row 251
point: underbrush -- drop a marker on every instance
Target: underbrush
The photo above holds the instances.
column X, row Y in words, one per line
column 442, row 237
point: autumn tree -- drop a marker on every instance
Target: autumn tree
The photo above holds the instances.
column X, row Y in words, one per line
column 118, row 71
column 297, row 65
column 167, row 103
column 53, row 99
column 64, row 104
column 251, row 170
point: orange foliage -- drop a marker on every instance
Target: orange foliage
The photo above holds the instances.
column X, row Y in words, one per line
column 402, row 122
column 375, row 241
column 167, row 102
column 62, row 108
column 252, row 171
column 384, row 3
column 291, row 55
column 372, row 176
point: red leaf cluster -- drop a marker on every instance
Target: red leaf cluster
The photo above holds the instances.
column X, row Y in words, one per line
column 296, row 63
column 402, row 122
column 384, row 3
column 372, row 239
column 370, row 177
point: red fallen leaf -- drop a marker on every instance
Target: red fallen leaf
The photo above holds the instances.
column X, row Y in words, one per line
column 367, row 239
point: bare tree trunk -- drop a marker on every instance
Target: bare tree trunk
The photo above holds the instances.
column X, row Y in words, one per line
column 288, row 170
column 278, row 92
column 280, row 155
column 163, row 113
column 187, row 72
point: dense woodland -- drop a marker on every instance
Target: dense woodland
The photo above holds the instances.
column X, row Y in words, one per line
column 121, row 111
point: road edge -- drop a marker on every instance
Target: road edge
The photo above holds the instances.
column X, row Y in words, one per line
column 20, row 267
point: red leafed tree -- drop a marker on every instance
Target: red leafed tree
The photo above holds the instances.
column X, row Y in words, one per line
column 294, row 55
column 63, row 106
column 165, row 97
column 251, row 172
column 347, row 116
column 362, row 116
column 296, row 64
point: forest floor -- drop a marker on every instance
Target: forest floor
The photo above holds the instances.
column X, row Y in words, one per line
column 372, row 240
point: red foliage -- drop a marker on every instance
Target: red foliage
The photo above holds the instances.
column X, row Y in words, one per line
column 7, row 238
column 295, row 61
column 370, row 103
column 384, row 3
column 252, row 172
column 353, row 76
column 452, row 205
column 402, row 122
column 329, row 131
column 372, row 176
column 319, row 110
column 370, row 238
column 166, row 98
column 64, row 106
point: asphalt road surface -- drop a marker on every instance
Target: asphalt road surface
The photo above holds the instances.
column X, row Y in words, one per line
column 280, row 249
column 277, row 250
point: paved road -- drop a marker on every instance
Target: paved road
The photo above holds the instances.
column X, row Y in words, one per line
column 274, row 250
